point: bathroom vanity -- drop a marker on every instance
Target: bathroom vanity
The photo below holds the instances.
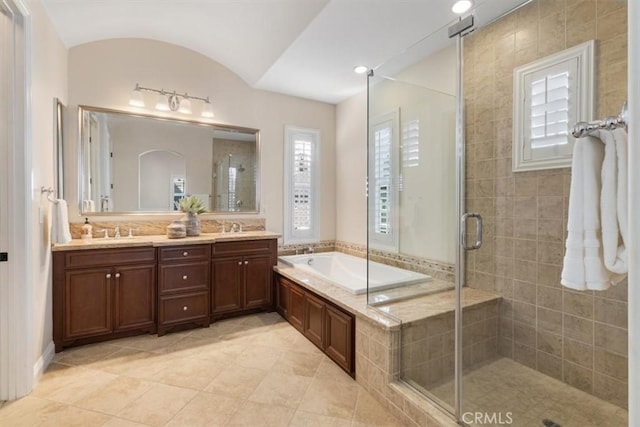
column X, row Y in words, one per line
column 108, row 289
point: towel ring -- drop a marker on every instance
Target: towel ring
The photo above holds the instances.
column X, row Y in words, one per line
column 50, row 194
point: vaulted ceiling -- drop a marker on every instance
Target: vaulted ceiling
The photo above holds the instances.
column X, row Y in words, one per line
column 306, row 48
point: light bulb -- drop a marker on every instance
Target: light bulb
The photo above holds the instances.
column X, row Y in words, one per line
column 161, row 103
column 461, row 6
column 207, row 110
column 185, row 106
column 360, row 69
column 137, row 99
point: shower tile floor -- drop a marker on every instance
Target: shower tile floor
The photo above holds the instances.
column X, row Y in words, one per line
column 502, row 386
column 250, row 371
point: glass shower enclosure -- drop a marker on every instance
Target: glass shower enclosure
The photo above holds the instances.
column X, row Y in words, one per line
column 487, row 334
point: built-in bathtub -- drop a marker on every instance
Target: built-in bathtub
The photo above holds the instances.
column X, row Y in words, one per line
column 350, row 272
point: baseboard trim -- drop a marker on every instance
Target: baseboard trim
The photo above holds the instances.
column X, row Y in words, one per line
column 43, row 362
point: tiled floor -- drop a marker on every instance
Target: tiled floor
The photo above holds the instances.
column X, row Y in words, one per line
column 503, row 386
column 250, row 371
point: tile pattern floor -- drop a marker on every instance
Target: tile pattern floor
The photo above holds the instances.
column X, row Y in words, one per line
column 250, row 371
column 503, row 385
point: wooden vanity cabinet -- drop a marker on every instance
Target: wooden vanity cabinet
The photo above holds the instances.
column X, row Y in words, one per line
column 183, row 286
column 242, row 276
column 328, row 326
column 101, row 294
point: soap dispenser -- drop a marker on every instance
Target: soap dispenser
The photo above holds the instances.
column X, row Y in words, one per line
column 87, row 230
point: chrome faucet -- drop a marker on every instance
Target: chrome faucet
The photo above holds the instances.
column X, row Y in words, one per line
column 117, row 232
column 310, row 250
column 106, row 233
column 233, row 227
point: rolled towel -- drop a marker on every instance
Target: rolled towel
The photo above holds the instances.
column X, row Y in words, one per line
column 60, row 222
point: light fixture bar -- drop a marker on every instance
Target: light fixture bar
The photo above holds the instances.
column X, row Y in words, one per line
column 171, row 101
column 170, row 93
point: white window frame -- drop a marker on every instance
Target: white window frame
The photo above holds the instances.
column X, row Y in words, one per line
column 390, row 241
column 579, row 62
column 292, row 235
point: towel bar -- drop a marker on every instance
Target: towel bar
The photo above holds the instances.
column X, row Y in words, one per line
column 50, row 193
column 585, row 128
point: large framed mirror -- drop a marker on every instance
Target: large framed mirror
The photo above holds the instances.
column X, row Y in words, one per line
column 140, row 163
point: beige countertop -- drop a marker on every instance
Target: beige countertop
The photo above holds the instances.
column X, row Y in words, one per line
column 161, row 240
column 392, row 315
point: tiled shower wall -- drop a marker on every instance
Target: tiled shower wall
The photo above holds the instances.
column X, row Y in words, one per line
column 577, row 337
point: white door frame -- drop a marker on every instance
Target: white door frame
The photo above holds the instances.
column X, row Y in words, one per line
column 16, row 196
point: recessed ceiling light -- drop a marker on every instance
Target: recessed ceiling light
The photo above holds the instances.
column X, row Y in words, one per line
column 361, row 69
column 461, row 6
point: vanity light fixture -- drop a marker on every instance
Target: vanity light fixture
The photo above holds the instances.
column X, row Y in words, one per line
column 171, row 101
column 360, row 69
column 461, row 6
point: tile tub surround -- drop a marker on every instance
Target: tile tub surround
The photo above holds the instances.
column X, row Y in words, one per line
column 378, row 344
column 248, row 371
column 159, row 227
column 577, row 337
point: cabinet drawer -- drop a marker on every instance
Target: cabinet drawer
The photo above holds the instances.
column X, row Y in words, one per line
column 183, row 307
column 184, row 277
column 108, row 257
column 185, row 253
column 245, row 247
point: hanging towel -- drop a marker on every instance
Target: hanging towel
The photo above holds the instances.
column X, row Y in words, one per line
column 613, row 202
column 583, row 266
column 60, row 228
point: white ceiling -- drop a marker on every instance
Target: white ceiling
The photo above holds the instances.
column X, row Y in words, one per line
column 306, row 48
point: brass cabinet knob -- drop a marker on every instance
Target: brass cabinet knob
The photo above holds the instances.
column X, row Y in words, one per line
column 185, row 253
column 239, row 262
column 117, row 275
column 246, row 262
column 184, row 277
column 108, row 275
column 184, row 308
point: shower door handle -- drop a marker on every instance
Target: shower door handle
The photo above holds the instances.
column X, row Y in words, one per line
column 463, row 230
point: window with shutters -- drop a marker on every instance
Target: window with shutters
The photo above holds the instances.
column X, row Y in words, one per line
column 411, row 144
column 301, row 213
column 384, row 182
column 550, row 96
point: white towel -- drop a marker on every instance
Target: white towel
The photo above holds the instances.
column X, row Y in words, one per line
column 60, row 224
column 583, row 262
column 613, row 202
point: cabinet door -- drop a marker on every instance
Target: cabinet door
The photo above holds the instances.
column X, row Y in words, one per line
column 257, row 281
column 339, row 337
column 282, row 297
column 134, row 297
column 314, row 320
column 226, row 285
column 87, row 303
column 295, row 313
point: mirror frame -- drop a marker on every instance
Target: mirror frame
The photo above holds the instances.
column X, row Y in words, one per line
column 58, row 137
column 81, row 156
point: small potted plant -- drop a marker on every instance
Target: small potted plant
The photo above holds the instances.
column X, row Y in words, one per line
column 192, row 206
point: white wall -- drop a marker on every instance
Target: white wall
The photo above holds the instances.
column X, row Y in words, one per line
column 48, row 80
column 103, row 74
column 436, row 73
